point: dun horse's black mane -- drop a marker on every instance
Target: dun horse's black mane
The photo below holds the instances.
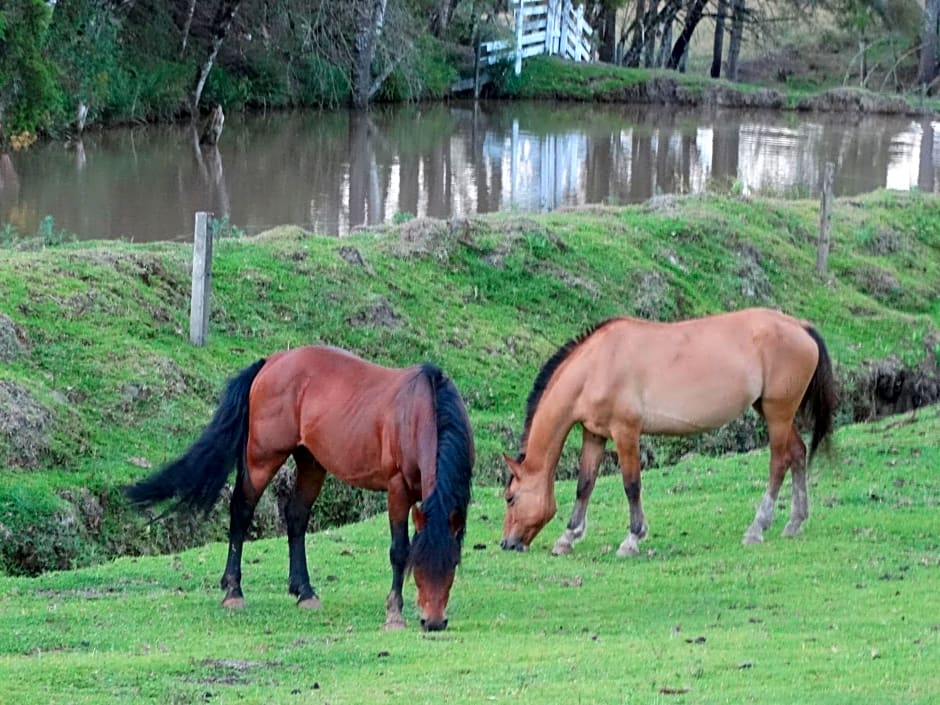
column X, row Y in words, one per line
column 545, row 375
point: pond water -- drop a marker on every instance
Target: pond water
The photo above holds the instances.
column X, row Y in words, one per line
column 331, row 172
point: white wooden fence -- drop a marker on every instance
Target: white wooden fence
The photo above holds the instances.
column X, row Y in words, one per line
column 543, row 27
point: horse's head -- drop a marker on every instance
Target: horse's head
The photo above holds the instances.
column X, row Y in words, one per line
column 434, row 560
column 530, row 505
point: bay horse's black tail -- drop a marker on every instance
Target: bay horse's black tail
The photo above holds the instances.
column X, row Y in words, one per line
column 819, row 401
column 437, row 548
column 197, row 477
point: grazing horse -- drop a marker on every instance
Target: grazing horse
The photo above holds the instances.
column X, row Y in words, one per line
column 625, row 377
column 404, row 431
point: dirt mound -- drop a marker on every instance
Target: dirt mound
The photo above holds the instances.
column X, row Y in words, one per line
column 753, row 280
column 423, row 237
column 652, row 296
column 377, row 314
column 25, row 427
column 13, row 341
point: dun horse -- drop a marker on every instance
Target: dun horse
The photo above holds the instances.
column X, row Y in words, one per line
column 404, row 431
column 626, row 377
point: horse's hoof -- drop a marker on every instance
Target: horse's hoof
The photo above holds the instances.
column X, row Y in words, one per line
column 233, row 603
column 792, row 531
column 750, row 539
column 394, row 624
column 309, row 603
column 629, row 547
column 561, row 548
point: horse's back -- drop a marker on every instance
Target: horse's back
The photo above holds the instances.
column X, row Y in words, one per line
column 348, row 412
column 693, row 375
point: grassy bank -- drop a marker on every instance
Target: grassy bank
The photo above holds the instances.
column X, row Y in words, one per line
column 552, row 78
column 843, row 614
column 99, row 385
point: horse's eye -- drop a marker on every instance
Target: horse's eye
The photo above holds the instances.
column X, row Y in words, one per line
column 511, row 500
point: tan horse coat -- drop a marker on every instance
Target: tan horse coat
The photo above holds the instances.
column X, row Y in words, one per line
column 628, row 376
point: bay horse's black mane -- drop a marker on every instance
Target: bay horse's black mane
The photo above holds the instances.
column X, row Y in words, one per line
column 436, row 548
column 545, row 375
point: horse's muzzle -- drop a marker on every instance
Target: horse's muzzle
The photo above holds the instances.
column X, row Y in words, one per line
column 429, row 625
column 513, row 544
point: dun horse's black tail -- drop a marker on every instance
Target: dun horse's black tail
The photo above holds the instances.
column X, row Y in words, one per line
column 819, row 401
column 196, row 478
column 437, row 548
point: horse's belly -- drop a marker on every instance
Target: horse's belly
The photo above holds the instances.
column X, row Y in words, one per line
column 683, row 422
column 694, row 413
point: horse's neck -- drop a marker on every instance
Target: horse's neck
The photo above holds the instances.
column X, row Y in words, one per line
column 547, row 434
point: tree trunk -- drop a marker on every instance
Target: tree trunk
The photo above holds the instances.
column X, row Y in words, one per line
column 607, row 34
column 718, row 45
column 649, row 33
column 692, row 18
column 371, row 17
column 632, row 56
column 739, row 9
column 442, row 21
column 187, row 25
column 213, row 127
column 665, row 45
column 927, row 70
column 224, row 15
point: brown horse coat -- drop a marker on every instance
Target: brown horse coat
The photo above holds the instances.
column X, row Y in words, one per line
column 403, row 431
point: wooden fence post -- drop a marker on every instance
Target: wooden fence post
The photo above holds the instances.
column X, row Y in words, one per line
column 519, row 18
column 825, row 219
column 202, row 279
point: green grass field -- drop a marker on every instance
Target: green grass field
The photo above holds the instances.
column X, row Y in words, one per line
column 99, row 385
column 846, row 613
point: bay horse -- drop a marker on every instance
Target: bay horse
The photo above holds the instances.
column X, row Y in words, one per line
column 625, row 377
column 404, row 431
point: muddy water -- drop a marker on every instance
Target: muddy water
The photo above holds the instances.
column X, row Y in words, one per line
column 333, row 171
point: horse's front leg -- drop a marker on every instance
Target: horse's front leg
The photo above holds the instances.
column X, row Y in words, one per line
column 592, row 452
column 398, row 506
column 307, row 486
column 627, row 440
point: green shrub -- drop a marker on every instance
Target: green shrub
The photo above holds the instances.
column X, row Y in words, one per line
column 320, row 83
column 29, row 97
column 226, row 89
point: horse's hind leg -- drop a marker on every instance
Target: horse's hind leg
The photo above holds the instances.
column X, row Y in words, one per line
column 592, row 452
column 309, row 482
column 780, row 458
column 799, row 509
column 398, row 505
column 628, row 449
column 245, row 495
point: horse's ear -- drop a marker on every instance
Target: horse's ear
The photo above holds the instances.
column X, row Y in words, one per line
column 458, row 522
column 417, row 516
column 514, row 466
